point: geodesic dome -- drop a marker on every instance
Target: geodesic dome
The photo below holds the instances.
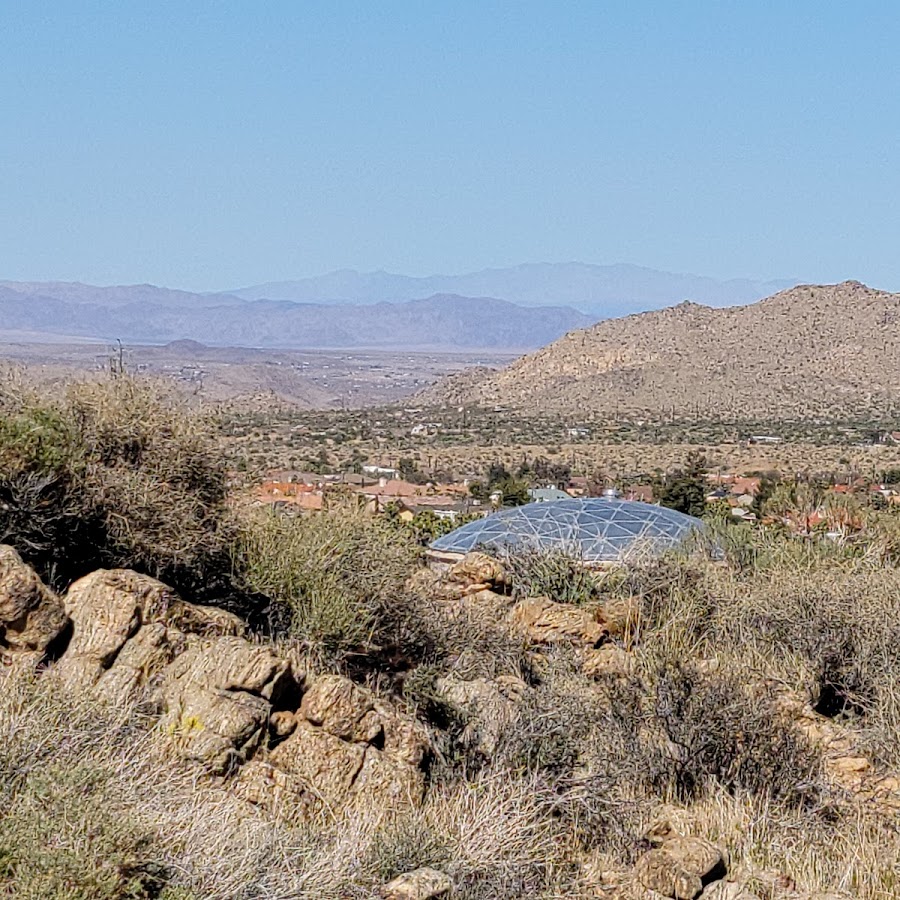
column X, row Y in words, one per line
column 594, row 530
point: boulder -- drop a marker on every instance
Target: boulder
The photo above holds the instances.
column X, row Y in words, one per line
column 148, row 652
column 620, row 617
column 680, row 868
column 478, row 569
column 31, row 615
column 323, row 765
column 486, row 706
column 278, row 792
column 126, row 627
column 339, row 773
column 353, row 713
column 728, row 890
column 422, row 884
column 345, row 746
column 542, row 621
column 607, row 660
column 217, row 696
column 208, row 621
column 107, row 608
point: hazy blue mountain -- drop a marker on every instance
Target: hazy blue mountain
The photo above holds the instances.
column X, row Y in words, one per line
column 117, row 295
column 603, row 291
column 153, row 315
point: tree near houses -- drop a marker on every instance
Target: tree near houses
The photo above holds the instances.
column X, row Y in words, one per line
column 685, row 490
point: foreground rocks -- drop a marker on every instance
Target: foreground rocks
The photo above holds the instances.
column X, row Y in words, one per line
column 346, row 747
column 31, row 615
column 681, row 867
column 543, row 621
column 217, row 700
column 232, row 706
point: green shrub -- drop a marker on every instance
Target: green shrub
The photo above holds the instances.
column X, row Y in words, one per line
column 560, row 576
column 329, row 576
column 112, row 473
column 64, row 836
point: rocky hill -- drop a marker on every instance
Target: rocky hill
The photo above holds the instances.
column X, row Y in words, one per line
column 811, row 351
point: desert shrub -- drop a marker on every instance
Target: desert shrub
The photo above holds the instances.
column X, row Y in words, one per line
column 69, row 829
column 671, row 732
column 555, row 574
column 328, row 576
column 338, row 582
column 111, row 473
column 713, row 730
column 65, row 837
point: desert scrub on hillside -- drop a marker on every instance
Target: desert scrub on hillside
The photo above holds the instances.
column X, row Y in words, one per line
column 815, row 617
column 71, row 773
column 93, row 810
column 330, row 578
column 342, row 586
column 111, row 473
column 560, row 576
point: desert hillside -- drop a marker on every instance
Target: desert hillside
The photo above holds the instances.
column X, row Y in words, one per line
column 204, row 698
column 811, row 351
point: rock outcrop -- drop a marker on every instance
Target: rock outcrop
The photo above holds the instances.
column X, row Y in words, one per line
column 107, row 609
column 680, row 868
column 31, row 615
column 487, row 706
column 422, row 884
column 542, row 621
column 126, row 628
column 478, row 569
column 346, row 747
column 217, row 699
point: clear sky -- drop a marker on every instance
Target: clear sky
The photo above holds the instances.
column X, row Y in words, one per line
column 209, row 145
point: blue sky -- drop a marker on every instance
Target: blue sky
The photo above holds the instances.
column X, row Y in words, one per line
column 210, row 145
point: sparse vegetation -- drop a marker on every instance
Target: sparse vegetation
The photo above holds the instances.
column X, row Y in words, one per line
column 705, row 723
column 112, row 473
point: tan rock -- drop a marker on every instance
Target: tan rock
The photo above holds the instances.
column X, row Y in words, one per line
column 216, row 699
column 607, row 660
column 489, row 599
column 107, row 608
column 620, row 616
column 542, row 621
column 280, row 793
column 386, row 782
column 341, row 708
column 283, row 722
column 349, row 747
column 31, row 615
column 148, row 652
column 353, row 713
column 478, row 569
column 326, row 766
column 680, row 867
column 208, row 621
column 728, row 890
column 486, row 706
column 422, row 884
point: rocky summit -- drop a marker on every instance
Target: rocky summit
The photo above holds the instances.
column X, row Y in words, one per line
column 813, row 351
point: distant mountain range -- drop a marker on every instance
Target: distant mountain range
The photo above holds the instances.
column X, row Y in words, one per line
column 149, row 315
column 601, row 291
column 811, row 352
column 518, row 308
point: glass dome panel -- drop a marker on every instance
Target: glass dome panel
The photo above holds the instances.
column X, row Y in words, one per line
column 597, row 529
